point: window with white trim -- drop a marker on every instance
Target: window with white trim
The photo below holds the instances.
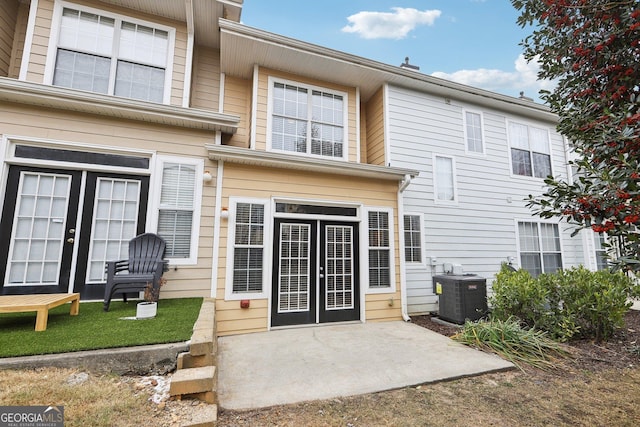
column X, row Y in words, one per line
column 248, row 248
column 602, row 258
column 107, row 54
column 444, row 178
column 473, row 132
column 539, row 245
column 379, row 250
column 177, row 209
column 412, row 239
column 307, row 120
column 530, row 150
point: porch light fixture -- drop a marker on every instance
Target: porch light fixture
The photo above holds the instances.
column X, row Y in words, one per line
column 224, row 212
column 206, row 176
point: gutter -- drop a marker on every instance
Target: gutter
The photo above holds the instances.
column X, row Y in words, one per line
column 403, row 274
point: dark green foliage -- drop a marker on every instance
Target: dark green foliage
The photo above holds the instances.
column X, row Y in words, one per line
column 573, row 303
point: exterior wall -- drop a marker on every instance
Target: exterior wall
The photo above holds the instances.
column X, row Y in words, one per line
column 237, row 101
column 78, row 129
column 263, row 100
column 18, row 41
column 479, row 230
column 42, row 33
column 8, row 19
column 375, row 129
column 205, row 86
column 266, row 183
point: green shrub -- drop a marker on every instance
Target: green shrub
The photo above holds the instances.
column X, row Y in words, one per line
column 572, row 303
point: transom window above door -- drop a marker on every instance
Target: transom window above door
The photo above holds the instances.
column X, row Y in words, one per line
column 104, row 53
column 307, row 120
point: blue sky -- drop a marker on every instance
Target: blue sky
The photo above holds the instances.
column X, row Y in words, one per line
column 475, row 42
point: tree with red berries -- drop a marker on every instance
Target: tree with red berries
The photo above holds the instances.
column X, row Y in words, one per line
column 591, row 48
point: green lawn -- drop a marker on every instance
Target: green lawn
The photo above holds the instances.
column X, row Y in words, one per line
column 93, row 328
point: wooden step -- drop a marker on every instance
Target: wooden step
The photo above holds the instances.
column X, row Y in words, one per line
column 194, row 381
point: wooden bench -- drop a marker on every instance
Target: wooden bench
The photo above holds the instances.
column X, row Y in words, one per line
column 40, row 303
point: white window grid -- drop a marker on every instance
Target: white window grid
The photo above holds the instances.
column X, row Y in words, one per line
column 473, row 132
column 413, row 238
column 379, row 249
column 530, row 150
column 102, row 52
column 307, row 120
column 248, row 248
column 540, row 247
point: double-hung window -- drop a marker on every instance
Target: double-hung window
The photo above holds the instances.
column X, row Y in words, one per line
column 379, row 250
column 530, row 150
column 104, row 53
column 307, row 120
column 444, row 178
column 412, row 239
column 473, row 132
column 246, row 251
column 540, row 250
column 178, row 218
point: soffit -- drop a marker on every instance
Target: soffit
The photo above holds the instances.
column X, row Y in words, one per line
column 205, row 16
column 53, row 97
column 270, row 50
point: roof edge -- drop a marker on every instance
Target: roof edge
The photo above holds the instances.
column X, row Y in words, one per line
column 30, row 93
column 291, row 161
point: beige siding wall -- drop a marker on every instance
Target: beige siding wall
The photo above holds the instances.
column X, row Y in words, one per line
column 265, row 183
column 18, row 120
column 263, row 90
column 237, row 101
column 18, row 41
column 8, row 19
column 205, row 85
column 42, row 32
column 375, row 129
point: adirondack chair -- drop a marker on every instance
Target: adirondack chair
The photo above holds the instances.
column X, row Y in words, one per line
column 144, row 267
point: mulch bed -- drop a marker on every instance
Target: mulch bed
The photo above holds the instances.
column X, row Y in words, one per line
column 620, row 351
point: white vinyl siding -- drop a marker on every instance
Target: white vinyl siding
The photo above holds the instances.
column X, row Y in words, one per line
column 105, row 53
column 473, row 132
column 412, row 238
column 307, row 120
column 539, row 246
column 177, row 209
column 530, row 151
column 479, row 231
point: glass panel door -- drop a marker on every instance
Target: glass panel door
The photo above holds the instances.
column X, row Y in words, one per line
column 35, row 254
column 114, row 223
column 37, row 230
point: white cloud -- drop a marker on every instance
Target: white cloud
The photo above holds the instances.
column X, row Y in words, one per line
column 524, row 77
column 386, row 25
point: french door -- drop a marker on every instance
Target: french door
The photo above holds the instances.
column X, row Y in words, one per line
column 43, row 243
column 315, row 272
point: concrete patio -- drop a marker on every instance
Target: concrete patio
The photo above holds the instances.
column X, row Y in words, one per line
column 295, row 365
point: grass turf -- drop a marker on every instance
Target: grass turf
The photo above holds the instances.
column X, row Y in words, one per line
column 93, row 328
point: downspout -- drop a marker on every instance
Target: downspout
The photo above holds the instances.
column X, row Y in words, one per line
column 188, row 67
column 216, row 229
column 403, row 275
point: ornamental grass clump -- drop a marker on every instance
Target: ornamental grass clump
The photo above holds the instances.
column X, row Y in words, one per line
column 510, row 341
